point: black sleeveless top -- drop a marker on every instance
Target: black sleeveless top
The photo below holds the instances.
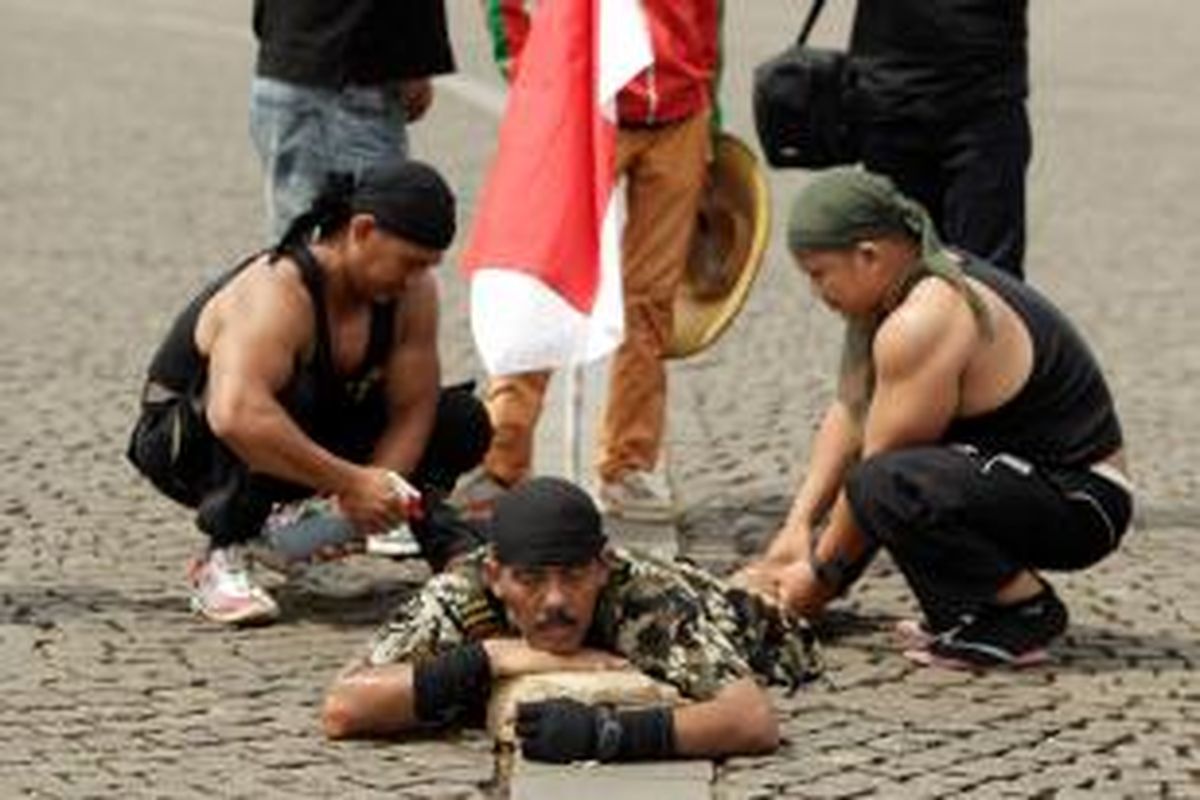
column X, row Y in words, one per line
column 322, row 402
column 1064, row 414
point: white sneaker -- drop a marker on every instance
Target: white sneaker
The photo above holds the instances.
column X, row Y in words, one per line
column 639, row 496
column 399, row 542
column 223, row 590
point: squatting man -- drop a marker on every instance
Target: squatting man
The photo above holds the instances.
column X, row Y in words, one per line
column 312, row 369
column 973, row 436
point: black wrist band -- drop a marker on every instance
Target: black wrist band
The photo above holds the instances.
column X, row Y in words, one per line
column 609, row 734
column 452, row 685
column 646, row 734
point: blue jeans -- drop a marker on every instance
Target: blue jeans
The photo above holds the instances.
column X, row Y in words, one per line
column 303, row 133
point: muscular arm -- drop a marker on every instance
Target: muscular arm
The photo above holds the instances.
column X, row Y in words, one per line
column 739, row 720
column 258, row 332
column 835, row 448
column 413, row 375
column 920, row 354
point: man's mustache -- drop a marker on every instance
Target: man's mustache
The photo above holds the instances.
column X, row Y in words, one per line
column 555, row 618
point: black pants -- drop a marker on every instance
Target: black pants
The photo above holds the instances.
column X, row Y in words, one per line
column 173, row 447
column 969, row 173
column 960, row 524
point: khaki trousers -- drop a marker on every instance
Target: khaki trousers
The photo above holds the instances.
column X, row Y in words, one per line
column 665, row 170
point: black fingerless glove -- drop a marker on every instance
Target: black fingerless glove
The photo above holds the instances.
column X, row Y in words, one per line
column 453, row 686
column 565, row 730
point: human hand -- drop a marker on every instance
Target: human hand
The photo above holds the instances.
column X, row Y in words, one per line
column 409, row 495
column 371, row 501
column 417, row 97
column 512, row 657
column 559, row 730
column 759, row 578
column 801, row 591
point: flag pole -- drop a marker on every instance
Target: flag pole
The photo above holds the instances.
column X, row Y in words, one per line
column 573, row 425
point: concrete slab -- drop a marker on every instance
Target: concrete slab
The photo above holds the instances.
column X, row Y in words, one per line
column 677, row 780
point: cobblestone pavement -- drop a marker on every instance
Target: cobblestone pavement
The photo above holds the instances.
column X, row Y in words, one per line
column 126, row 178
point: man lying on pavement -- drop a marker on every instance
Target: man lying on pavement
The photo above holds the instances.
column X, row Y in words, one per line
column 549, row 595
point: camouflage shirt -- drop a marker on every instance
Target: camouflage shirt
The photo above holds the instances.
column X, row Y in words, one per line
column 672, row 621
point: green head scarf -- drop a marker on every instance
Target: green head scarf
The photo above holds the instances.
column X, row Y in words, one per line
column 844, row 206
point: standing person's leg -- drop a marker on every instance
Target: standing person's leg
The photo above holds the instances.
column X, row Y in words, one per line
column 514, row 405
column 666, row 169
column 288, row 126
column 368, row 128
column 985, row 191
column 967, row 530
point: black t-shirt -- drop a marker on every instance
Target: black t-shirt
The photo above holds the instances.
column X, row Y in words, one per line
column 332, row 43
column 936, row 59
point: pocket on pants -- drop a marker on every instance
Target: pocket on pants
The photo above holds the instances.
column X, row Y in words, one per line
column 165, row 447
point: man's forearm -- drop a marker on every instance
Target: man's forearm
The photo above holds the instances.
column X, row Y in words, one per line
column 738, row 721
column 834, row 450
column 370, row 701
column 262, row 435
column 404, row 442
column 840, row 546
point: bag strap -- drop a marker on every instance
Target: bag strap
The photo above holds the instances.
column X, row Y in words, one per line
column 814, row 11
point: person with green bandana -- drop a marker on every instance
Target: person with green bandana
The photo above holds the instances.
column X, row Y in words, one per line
column 972, row 436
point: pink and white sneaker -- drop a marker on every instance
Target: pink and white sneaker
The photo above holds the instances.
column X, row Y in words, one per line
column 224, row 591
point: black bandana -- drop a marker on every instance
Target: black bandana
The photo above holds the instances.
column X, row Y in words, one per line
column 546, row 521
column 410, row 200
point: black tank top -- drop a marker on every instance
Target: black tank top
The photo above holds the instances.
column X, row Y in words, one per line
column 1064, row 414
column 320, row 400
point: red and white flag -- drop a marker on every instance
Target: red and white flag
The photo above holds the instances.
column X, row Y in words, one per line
column 544, row 255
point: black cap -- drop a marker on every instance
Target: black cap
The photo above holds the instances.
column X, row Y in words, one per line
column 546, row 521
column 409, row 199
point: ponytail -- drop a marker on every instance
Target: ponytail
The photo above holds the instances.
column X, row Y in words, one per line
column 330, row 211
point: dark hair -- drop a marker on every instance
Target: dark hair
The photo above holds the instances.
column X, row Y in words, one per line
column 330, row 211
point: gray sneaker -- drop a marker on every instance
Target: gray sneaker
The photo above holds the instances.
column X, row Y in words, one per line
column 638, row 496
column 297, row 531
